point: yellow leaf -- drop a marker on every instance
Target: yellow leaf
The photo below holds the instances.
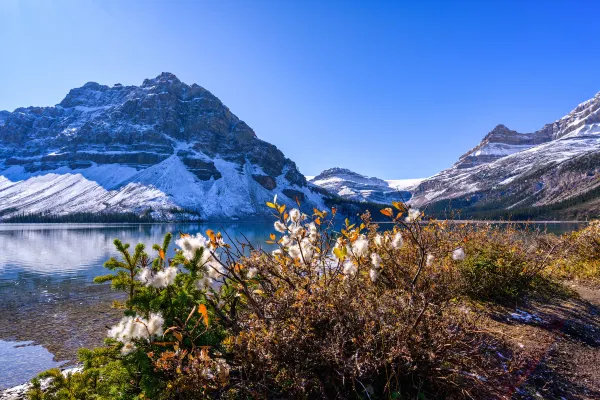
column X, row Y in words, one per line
column 178, row 336
column 398, row 205
column 258, row 291
column 202, row 310
column 281, row 209
column 340, row 252
column 271, row 205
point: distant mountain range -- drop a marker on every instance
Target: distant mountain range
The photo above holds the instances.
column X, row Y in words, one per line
column 353, row 186
column 164, row 149
column 551, row 173
column 170, row 151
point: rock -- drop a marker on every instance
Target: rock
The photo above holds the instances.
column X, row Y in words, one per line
column 19, row 392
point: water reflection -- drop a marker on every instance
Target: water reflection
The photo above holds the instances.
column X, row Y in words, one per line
column 19, row 359
column 46, row 288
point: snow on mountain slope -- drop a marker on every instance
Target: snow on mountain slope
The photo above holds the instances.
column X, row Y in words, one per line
column 512, row 170
column 164, row 147
column 353, row 186
column 404, row 184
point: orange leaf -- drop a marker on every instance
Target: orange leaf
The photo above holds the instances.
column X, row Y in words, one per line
column 318, row 221
column 211, row 234
column 272, row 236
column 387, row 212
column 202, row 310
column 161, row 254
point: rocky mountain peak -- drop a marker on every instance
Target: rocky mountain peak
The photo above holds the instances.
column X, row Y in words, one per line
column 144, row 135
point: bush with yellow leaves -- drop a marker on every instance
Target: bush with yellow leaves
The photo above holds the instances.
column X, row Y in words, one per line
column 350, row 310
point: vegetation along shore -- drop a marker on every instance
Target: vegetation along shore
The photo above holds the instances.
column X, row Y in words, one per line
column 417, row 308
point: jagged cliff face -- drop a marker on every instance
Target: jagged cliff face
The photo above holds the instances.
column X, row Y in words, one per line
column 164, row 146
column 510, row 170
column 353, row 186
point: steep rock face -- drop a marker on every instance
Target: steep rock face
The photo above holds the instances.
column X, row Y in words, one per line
column 353, row 186
column 159, row 147
column 509, row 170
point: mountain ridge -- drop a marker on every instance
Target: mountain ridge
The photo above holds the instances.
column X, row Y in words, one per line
column 157, row 147
column 510, row 171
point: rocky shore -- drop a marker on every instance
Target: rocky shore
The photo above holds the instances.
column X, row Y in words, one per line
column 19, row 392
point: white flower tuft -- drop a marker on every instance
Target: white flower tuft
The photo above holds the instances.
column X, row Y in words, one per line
column 204, row 283
column 252, row 271
column 360, row 246
column 375, row 260
column 294, row 215
column 136, row 328
column 349, row 268
column 458, row 254
column 397, row 240
column 430, row 259
column 280, row 226
column 373, row 274
column 158, row 279
column 190, row 244
column 413, row 215
column 294, row 251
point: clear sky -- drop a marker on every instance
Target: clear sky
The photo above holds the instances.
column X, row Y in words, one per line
column 394, row 89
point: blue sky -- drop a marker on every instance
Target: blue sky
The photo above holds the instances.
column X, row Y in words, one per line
column 394, row 89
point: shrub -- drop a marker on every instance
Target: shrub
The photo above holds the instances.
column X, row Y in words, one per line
column 504, row 263
column 363, row 313
column 582, row 257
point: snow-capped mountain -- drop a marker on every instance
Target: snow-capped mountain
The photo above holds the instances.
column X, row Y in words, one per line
column 353, row 186
column 554, row 169
column 165, row 148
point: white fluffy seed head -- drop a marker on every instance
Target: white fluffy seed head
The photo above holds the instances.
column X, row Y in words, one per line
column 373, row 274
column 160, row 279
column 280, row 226
column 349, row 268
column 430, row 259
column 294, row 215
column 360, row 246
column 375, row 260
column 252, row 271
column 413, row 215
column 294, row 251
column 189, row 245
column 397, row 240
column 136, row 328
column 458, row 254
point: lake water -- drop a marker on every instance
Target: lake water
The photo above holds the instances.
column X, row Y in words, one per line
column 46, row 290
column 49, row 307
